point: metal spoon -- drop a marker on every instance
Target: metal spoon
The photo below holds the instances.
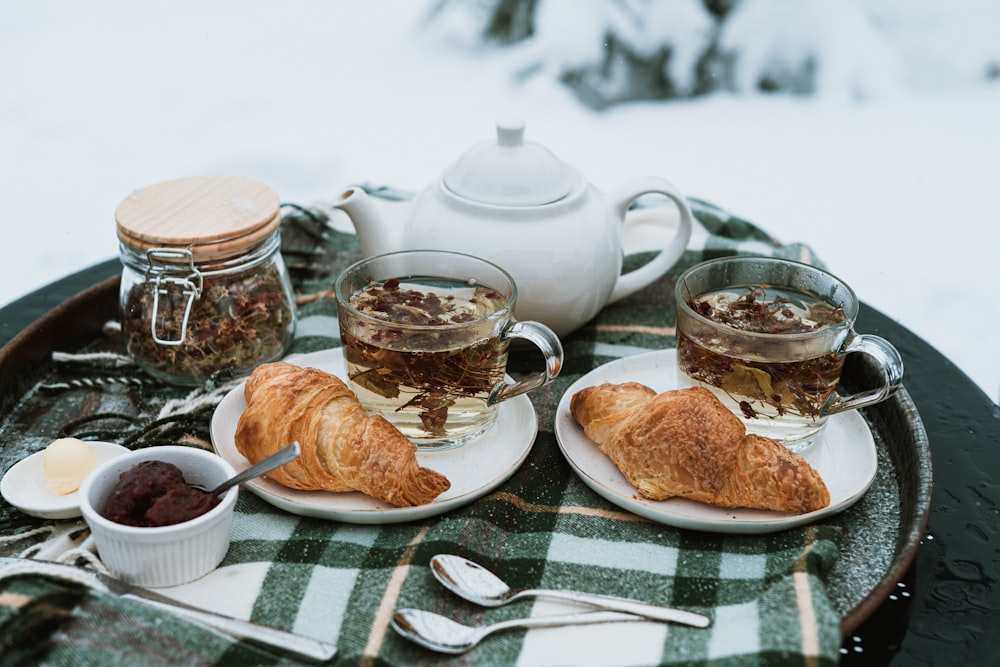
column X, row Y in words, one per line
column 280, row 457
column 475, row 583
column 440, row 633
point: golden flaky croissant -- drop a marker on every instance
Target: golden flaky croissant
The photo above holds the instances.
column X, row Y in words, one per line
column 686, row 443
column 343, row 448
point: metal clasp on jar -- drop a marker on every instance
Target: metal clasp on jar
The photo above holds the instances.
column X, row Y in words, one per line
column 166, row 272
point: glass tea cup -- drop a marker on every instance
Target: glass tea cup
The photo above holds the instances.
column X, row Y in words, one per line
column 426, row 336
column 769, row 337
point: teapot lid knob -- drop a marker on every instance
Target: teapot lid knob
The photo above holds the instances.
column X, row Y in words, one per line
column 510, row 171
column 510, row 132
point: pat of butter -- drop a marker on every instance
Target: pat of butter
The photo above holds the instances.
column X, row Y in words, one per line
column 66, row 462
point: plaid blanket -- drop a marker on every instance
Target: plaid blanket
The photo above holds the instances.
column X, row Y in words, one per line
column 766, row 595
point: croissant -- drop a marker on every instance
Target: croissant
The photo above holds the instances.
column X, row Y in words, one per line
column 686, row 443
column 343, row 448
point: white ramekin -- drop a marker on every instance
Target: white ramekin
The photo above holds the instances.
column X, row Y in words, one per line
column 164, row 555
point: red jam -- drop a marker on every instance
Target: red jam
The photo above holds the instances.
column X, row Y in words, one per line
column 154, row 493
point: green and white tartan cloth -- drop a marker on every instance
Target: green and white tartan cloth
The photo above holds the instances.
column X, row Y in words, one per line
column 766, row 594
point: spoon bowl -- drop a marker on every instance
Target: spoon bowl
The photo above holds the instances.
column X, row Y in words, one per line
column 473, row 582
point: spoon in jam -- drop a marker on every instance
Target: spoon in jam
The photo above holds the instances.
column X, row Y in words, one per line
column 279, row 458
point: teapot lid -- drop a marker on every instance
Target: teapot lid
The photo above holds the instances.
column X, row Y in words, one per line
column 510, row 171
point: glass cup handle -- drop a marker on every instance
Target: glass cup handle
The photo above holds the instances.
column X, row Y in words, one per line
column 545, row 340
column 888, row 360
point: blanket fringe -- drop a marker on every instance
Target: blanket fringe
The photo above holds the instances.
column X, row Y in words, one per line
column 59, row 543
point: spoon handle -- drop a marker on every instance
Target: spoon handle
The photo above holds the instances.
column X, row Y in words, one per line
column 616, row 604
column 280, row 457
column 301, row 647
column 559, row 620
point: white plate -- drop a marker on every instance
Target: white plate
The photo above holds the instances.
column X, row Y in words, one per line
column 24, row 485
column 844, row 456
column 473, row 470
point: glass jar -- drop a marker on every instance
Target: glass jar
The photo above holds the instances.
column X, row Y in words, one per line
column 204, row 290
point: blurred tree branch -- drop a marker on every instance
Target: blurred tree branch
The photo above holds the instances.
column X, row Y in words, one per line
column 626, row 50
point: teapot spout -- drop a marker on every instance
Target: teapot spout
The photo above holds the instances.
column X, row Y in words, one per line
column 375, row 235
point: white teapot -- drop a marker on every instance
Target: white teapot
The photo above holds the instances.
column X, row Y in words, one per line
column 516, row 204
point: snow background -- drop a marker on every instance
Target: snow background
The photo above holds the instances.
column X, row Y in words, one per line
column 888, row 169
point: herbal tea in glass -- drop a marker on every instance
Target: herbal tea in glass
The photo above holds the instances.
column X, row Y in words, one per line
column 789, row 383
column 436, row 381
column 769, row 337
column 428, row 351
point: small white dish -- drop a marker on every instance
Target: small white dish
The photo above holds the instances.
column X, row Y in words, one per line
column 474, row 469
column 24, row 485
column 844, row 456
column 162, row 555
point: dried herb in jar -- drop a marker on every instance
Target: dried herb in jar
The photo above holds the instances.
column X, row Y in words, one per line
column 240, row 320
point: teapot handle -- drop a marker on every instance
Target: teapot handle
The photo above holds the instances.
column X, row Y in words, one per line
column 621, row 198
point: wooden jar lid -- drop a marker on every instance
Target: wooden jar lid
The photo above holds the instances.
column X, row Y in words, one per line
column 215, row 217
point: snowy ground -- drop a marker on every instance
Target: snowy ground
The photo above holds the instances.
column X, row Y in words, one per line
column 896, row 194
